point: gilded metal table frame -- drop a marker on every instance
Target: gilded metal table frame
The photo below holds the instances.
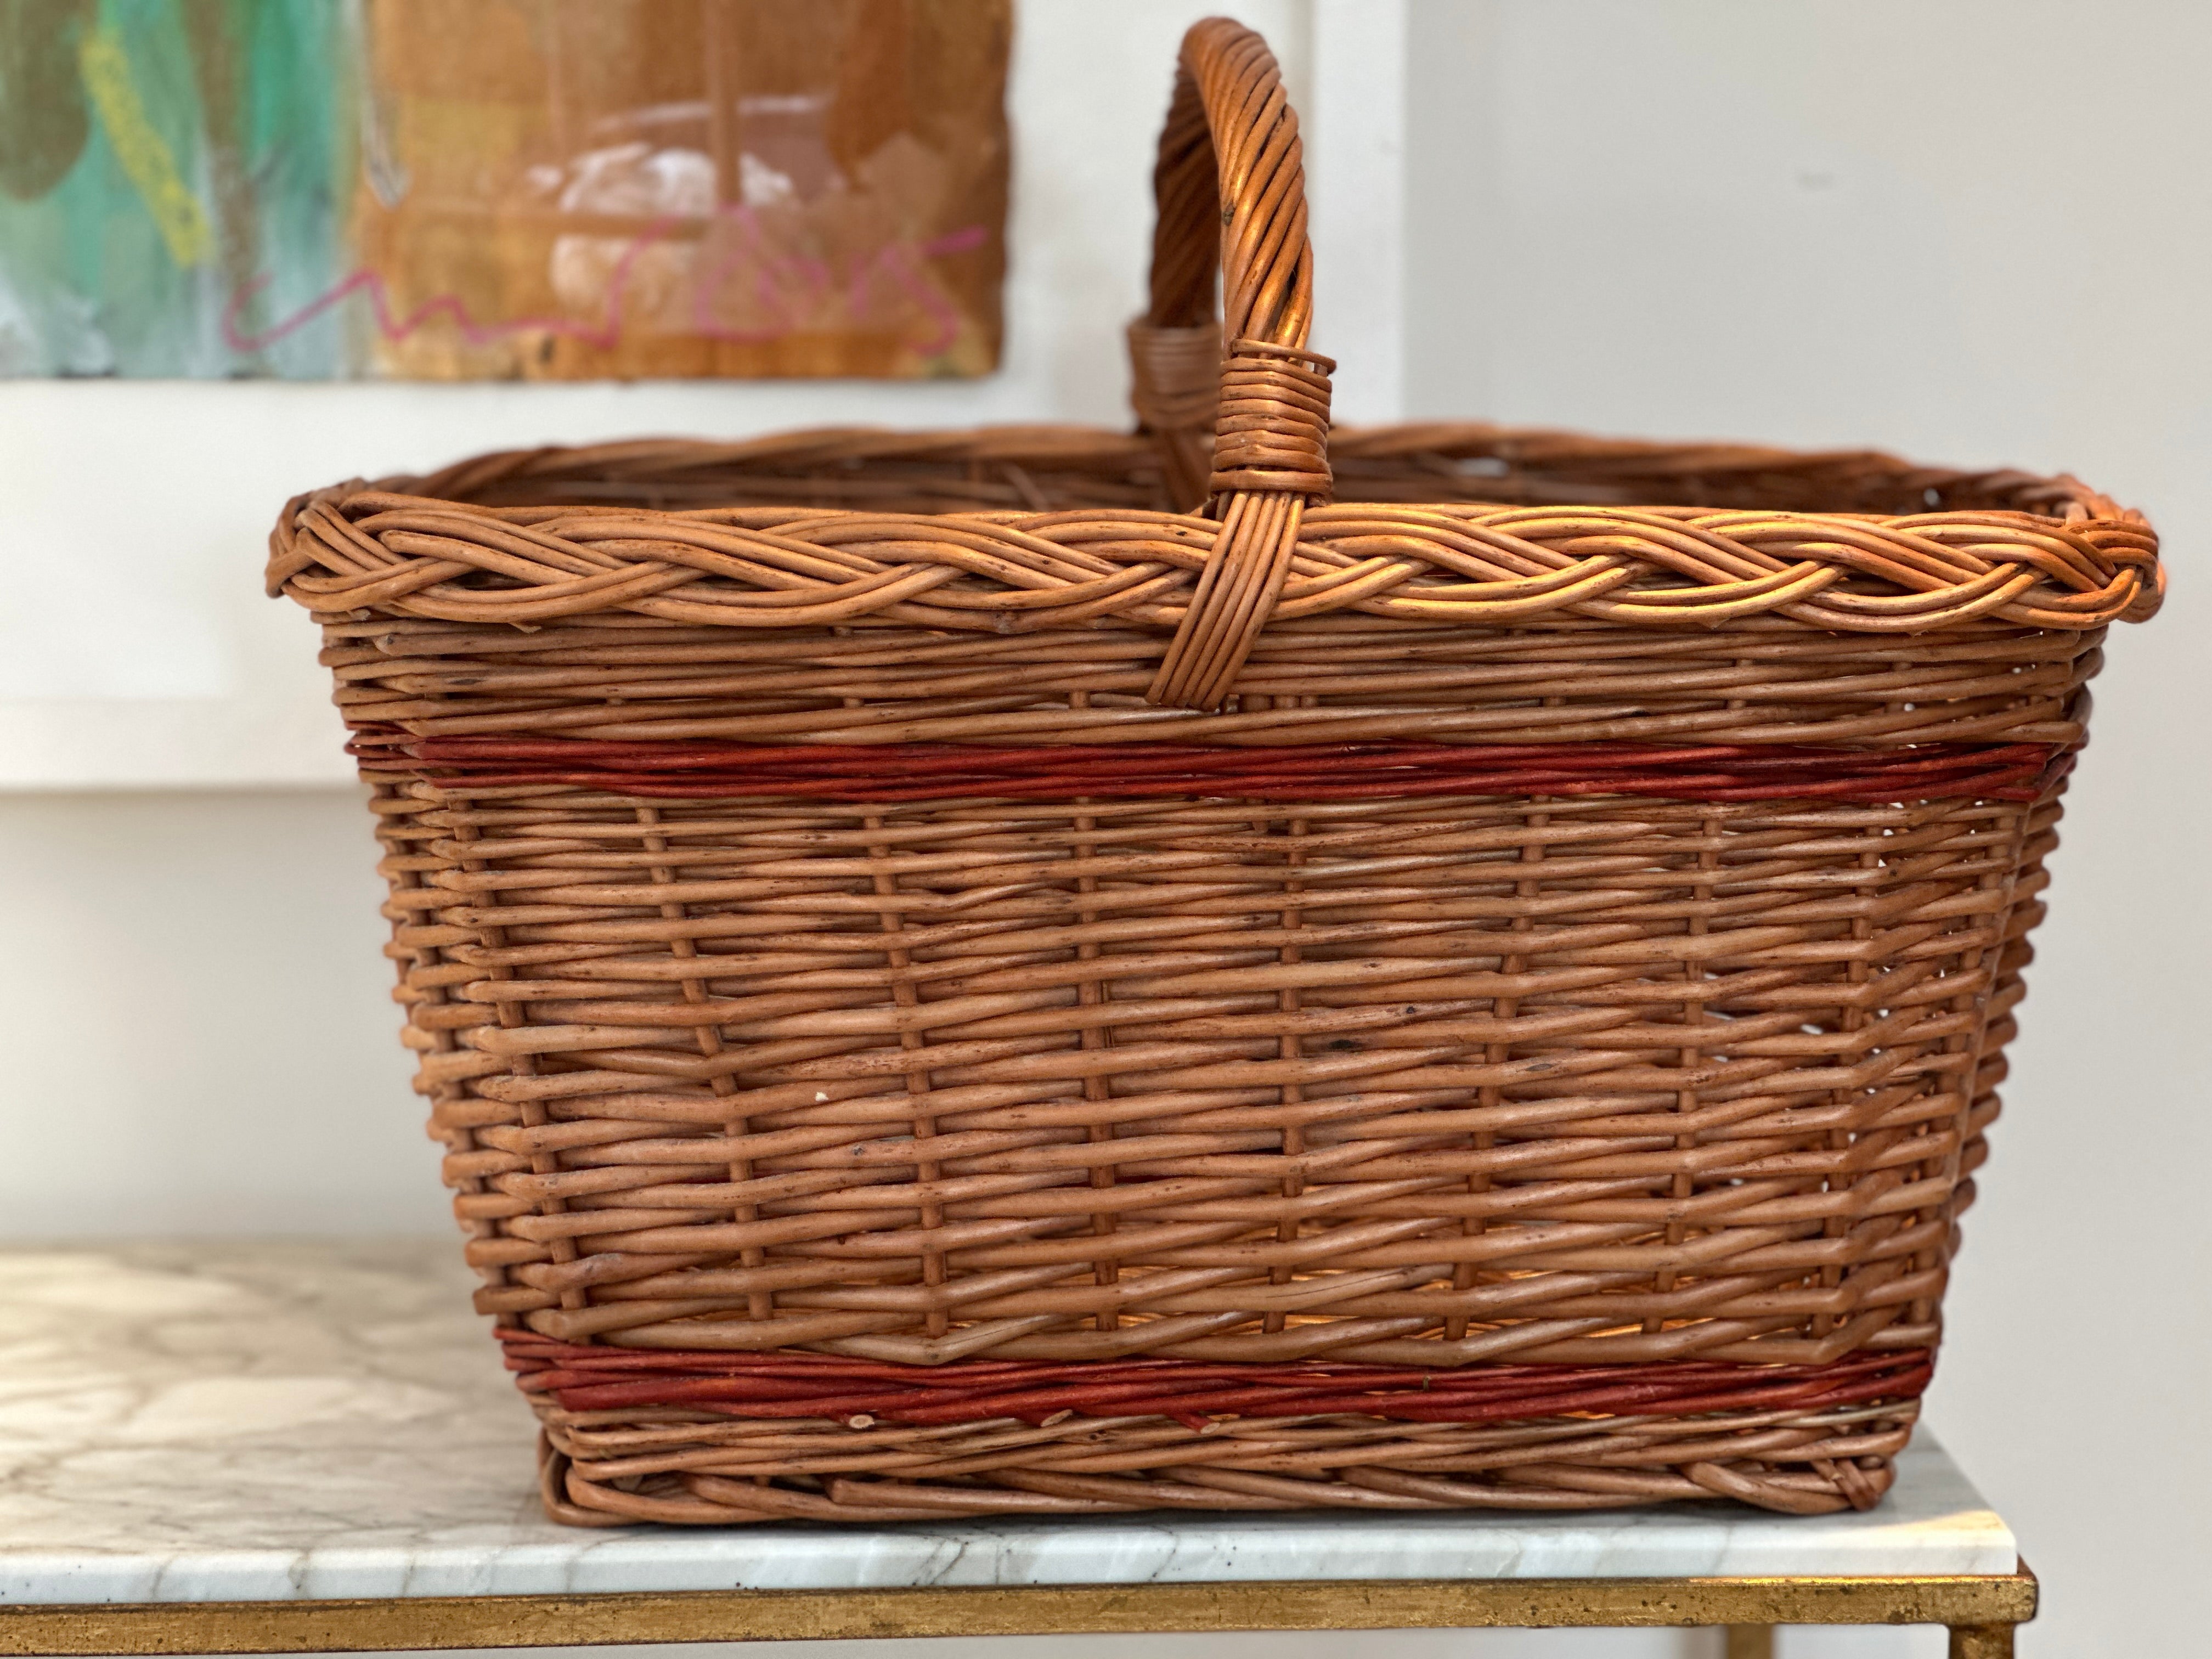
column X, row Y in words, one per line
column 1979, row 1610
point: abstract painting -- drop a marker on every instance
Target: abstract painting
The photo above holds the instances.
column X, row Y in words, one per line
column 501, row 188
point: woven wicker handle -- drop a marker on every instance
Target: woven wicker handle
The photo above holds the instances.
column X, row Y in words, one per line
column 1230, row 185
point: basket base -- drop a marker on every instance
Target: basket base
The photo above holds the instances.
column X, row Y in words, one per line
column 713, row 1438
column 691, row 1471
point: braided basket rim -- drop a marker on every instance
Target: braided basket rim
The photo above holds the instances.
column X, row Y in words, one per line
column 2060, row 556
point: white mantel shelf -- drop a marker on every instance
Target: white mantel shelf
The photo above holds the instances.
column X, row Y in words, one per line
column 299, row 1424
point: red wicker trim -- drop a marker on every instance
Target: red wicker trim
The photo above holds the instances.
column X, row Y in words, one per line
column 794, row 1385
column 896, row 772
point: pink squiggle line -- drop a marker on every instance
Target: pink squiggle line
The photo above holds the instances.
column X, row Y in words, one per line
column 894, row 255
column 605, row 335
column 813, row 278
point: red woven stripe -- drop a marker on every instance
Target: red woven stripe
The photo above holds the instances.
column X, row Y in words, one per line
column 896, row 772
column 794, row 1385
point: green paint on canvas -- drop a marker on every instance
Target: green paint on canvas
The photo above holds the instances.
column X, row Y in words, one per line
column 156, row 157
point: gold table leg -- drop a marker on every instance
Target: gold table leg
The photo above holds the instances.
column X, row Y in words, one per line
column 1967, row 1642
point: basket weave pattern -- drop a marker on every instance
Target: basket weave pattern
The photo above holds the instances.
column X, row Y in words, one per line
column 899, row 927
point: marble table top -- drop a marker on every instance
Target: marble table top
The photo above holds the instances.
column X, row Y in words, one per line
column 306, row 1419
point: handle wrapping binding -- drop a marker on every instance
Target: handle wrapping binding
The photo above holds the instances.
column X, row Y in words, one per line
column 1272, row 431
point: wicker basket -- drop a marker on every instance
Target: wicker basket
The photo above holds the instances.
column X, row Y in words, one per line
column 1054, row 971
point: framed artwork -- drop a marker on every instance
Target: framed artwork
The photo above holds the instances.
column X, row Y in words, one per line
column 502, row 189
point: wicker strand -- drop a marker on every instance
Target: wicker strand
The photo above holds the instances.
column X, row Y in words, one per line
column 1313, row 772
column 794, row 1385
column 1235, row 597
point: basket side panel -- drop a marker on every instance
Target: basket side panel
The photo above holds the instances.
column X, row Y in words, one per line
column 1432, row 1081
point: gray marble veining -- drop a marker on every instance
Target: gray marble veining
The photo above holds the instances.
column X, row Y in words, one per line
column 322, row 1418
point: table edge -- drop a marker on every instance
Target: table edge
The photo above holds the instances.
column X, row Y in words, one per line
column 400, row 1624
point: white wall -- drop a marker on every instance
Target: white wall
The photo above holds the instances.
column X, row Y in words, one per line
column 1972, row 231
